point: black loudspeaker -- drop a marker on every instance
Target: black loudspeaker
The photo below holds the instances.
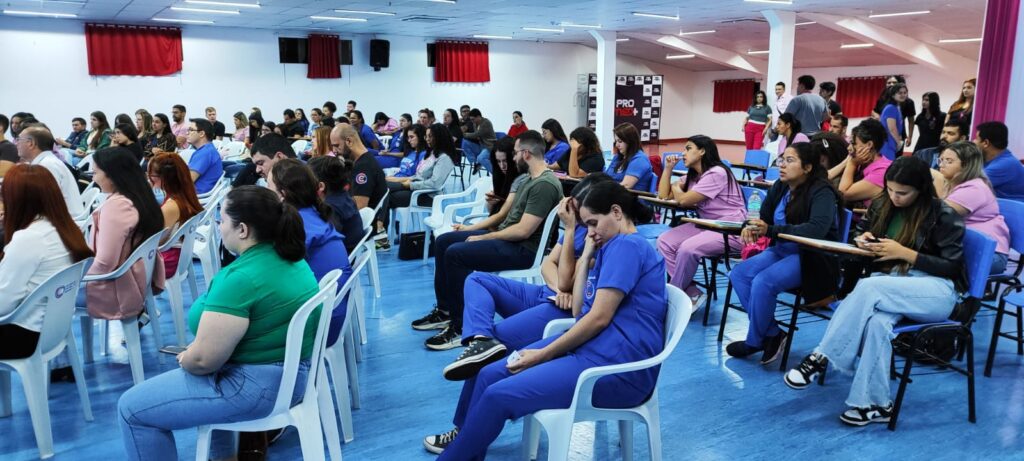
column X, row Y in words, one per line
column 380, row 52
column 345, row 52
column 291, row 50
column 431, row 50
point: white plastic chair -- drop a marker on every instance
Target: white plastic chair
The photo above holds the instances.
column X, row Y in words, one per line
column 371, row 245
column 217, row 143
column 233, row 150
column 186, row 154
column 90, row 197
column 184, row 236
column 558, row 423
column 305, row 416
column 206, row 247
column 532, row 274
column 146, row 252
column 300, row 146
column 58, row 293
column 444, row 208
column 339, row 360
column 205, row 198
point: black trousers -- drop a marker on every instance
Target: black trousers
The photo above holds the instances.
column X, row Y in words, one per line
column 17, row 342
column 400, row 197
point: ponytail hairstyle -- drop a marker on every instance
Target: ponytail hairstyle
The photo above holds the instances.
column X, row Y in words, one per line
column 270, row 220
column 794, row 126
column 298, row 186
column 600, row 198
column 333, row 172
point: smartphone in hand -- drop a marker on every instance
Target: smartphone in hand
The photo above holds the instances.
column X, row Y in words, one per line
column 172, row 350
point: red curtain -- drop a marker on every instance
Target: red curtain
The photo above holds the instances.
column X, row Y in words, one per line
column 858, row 95
column 733, row 95
column 995, row 65
column 132, row 50
column 461, row 62
column 323, row 57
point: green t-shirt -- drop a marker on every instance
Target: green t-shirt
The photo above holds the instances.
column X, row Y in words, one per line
column 267, row 290
column 537, row 196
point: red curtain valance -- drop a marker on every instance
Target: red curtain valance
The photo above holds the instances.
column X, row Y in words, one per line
column 323, row 56
column 858, row 95
column 133, row 50
column 462, row 62
column 733, row 95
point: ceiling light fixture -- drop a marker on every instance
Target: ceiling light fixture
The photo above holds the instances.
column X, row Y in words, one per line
column 66, row 2
column 622, row 40
column 183, row 21
column 203, row 10
column 495, row 37
column 544, row 29
column 697, row 32
column 856, row 45
column 375, row 13
column 656, row 16
column 39, row 13
column 580, row 26
column 960, row 40
column 757, row 51
column 905, row 13
column 211, row 2
column 679, row 56
column 335, row 18
column 807, row 23
column 449, row 2
column 774, row 2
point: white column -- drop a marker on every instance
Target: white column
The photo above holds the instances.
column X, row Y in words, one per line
column 605, row 86
column 1014, row 112
column 780, row 51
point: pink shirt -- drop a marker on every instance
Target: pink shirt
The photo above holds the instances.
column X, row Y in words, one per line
column 724, row 199
column 982, row 211
column 180, row 129
column 240, row 134
column 874, row 173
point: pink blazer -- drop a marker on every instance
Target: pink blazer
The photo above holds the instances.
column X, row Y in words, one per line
column 113, row 224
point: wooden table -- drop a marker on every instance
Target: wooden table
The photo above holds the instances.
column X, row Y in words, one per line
column 829, row 246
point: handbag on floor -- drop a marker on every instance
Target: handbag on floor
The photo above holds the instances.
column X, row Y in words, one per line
column 410, row 246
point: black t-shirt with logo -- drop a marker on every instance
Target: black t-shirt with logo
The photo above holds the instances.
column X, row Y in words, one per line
column 368, row 179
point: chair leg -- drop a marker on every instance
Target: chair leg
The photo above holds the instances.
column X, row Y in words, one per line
column 154, row 323
column 654, row 432
column 176, row 298
column 310, row 436
column 203, row 443
column 104, row 337
column 792, row 332
column 725, row 311
column 76, row 369
column 134, row 343
column 33, row 380
column 352, row 371
column 904, row 380
column 559, row 438
column 193, row 285
column 86, row 323
column 337, row 363
column 626, row 439
column 328, row 419
column 531, row 438
column 1020, row 331
column 969, row 343
column 374, row 270
column 5, row 393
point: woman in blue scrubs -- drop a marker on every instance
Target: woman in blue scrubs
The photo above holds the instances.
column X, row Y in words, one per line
column 558, row 143
column 620, row 306
column 630, row 165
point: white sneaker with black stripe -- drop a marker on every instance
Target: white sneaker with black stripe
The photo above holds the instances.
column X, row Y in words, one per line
column 864, row 416
column 437, row 443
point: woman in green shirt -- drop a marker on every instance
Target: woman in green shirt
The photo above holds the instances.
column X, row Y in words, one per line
column 232, row 371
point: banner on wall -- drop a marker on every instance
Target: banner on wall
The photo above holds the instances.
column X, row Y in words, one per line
column 637, row 101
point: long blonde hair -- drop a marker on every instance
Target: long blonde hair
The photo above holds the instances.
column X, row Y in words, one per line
column 322, row 136
column 963, row 102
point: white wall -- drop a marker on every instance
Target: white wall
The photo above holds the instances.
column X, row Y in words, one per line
column 236, row 69
column 727, row 126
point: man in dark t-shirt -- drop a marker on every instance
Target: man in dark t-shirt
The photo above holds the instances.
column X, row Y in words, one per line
column 368, row 182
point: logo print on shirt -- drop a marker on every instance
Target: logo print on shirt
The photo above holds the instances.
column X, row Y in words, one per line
column 361, row 178
column 589, row 291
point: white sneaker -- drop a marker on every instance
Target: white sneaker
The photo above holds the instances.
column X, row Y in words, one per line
column 698, row 302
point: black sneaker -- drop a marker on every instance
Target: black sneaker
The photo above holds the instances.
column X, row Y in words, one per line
column 865, row 416
column 383, row 245
column 435, row 320
column 478, row 354
column 804, row 374
column 448, row 338
column 437, row 443
column 774, row 347
column 740, row 349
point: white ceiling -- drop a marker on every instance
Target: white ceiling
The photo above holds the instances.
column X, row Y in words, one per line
column 739, row 25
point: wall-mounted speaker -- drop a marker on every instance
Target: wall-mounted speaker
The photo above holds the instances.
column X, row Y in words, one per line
column 345, row 52
column 291, row 50
column 431, row 51
column 380, row 52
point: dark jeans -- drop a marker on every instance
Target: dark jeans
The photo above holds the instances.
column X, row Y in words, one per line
column 17, row 342
column 455, row 259
column 400, row 197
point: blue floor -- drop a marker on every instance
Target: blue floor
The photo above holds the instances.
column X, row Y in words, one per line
column 712, row 407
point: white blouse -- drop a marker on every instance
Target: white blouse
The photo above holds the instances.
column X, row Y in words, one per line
column 34, row 254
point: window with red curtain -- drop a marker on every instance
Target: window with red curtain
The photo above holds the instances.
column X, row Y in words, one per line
column 322, row 52
column 858, row 95
column 733, row 95
column 466, row 62
column 133, row 50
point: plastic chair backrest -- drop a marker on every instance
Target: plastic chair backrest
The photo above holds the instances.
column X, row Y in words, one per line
column 381, row 203
column 185, row 236
column 500, row 134
column 1013, row 214
column 89, row 198
column 751, row 191
column 234, row 149
column 978, row 250
column 367, row 214
column 772, row 174
column 727, row 163
column 757, row 157
column 545, row 237
column 299, row 146
column 325, row 296
column 58, row 293
column 845, row 222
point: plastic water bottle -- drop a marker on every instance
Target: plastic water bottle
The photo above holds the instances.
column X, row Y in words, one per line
column 754, row 207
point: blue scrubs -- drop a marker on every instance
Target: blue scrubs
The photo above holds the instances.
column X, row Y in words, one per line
column 396, row 142
column 759, row 280
column 325, row 251
column 639, row 167
column 407, row 166
column 367, row 136
column 524, row 306
column 556, row 152
column 636, row 332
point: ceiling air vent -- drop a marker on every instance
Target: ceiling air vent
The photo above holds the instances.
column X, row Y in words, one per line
column 424, row 19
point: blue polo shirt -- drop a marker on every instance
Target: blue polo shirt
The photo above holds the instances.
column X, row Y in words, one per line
column 206, row 161
column 367, row 136
column 556, row 152
column 1006, row 174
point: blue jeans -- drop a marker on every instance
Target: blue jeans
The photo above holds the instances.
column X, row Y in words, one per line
column 455, row 259
column 525, row 308
column 758, row 282
column 477, row 153
column 179, row 400
column 862, row 325
column 999, row 261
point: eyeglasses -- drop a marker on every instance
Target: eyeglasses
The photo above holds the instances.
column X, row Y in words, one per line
column 192, row 130
column 782, row 161
column 947, row 161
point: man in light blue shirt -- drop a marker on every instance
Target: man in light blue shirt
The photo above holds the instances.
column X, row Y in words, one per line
column 205, row 163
